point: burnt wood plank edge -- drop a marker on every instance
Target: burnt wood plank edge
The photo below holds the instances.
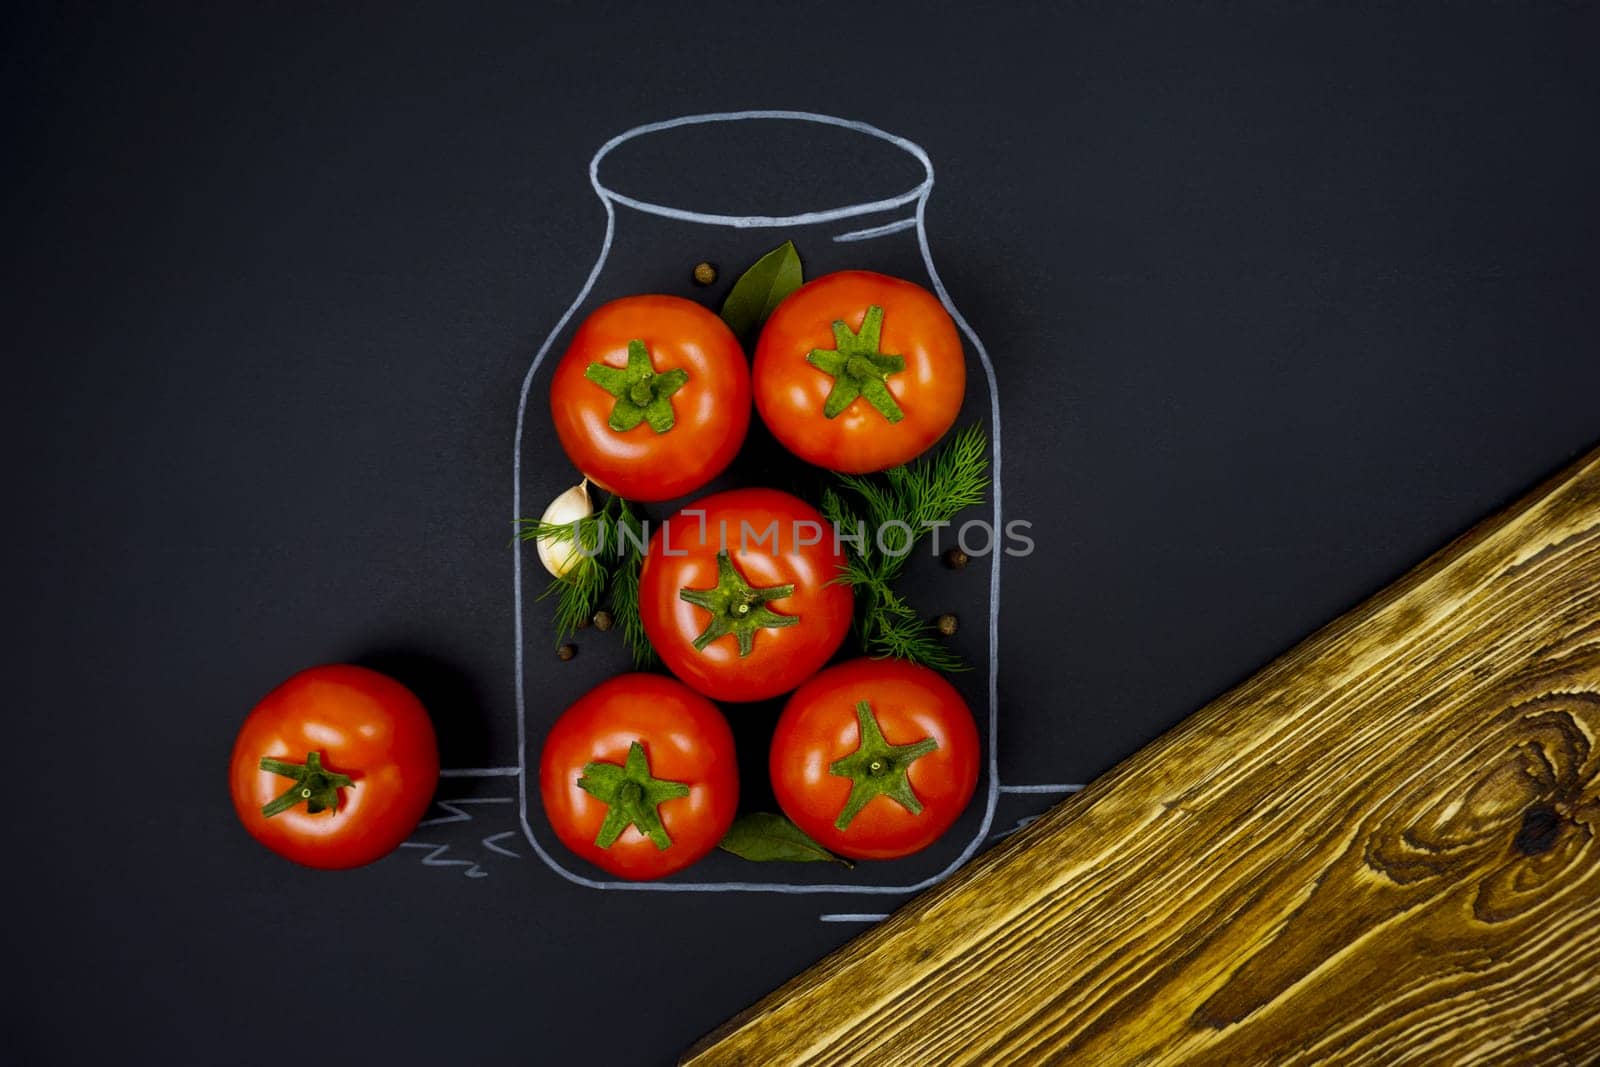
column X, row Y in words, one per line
column 1380, row 849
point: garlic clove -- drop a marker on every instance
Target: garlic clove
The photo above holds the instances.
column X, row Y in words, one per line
column 560, row 556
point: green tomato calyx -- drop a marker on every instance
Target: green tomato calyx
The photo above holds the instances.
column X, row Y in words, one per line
column 314, row 786
column 737, row 607
column 877, row 768
column 641, row 394
column 858, row 369
column 632, row 796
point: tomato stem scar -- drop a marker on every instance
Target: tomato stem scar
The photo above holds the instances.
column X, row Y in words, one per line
column 632, row 797
column 858, row 369
column 737, row 607
column 877, row 768
column 318, row 787
column 642, row 395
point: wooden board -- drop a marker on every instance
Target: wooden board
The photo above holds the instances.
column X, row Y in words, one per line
column 1380, row 849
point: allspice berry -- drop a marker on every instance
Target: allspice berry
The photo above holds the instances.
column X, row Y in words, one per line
column 947, row 624
column 955, row 559
column 602, row 620
column 704, row 273
column 566, row 652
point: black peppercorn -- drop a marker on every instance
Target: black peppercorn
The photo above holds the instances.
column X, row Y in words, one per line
column 955, row 559
column 566, row 652
column 602, row 620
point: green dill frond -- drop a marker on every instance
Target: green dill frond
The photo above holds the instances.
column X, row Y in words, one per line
column 938, row 487
column 960, row 476
column 893, row 604
column 577, row 595
column 857, row 572
column 843, row 518
column 608, row 569
column 836, row 511
column 629, row 532
column 882, row 503
column 586, row 528
column 929, row 492
column 915, row 640
column 625, row 589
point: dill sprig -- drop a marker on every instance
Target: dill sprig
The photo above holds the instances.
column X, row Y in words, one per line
column 901, row 505
column 625, row 589
column 611, row 545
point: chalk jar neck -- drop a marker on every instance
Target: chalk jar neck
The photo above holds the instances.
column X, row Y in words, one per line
column 764, row 170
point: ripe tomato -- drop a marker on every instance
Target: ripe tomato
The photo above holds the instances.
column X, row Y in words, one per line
column 857, row 371
column 334, row 767
column 652, row 399
column 639, row 776
column 875, row 758
column 737, row 594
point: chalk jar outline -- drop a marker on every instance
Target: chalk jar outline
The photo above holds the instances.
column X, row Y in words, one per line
column 915, row 199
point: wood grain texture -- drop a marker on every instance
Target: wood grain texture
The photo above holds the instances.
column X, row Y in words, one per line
column 1380, row 850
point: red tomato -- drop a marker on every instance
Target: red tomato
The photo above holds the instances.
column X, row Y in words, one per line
column 889, row 789
column 857, row 371
column 350, row 767
column 639, row 777
column 652, row 399
column 757, row 619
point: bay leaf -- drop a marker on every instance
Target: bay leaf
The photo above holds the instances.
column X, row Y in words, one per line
column 764, row 837
column 761, row 289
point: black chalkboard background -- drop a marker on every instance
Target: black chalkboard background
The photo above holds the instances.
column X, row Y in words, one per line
column 1280, row 300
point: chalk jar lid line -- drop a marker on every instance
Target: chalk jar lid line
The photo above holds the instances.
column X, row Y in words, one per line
column 611, row 195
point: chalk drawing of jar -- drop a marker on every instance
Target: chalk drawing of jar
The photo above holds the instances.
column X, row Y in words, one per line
column 726, row 188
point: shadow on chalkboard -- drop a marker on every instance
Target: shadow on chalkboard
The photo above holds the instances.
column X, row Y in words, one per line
column 454, row 701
